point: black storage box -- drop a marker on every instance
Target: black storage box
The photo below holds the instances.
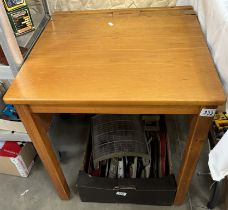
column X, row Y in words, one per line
column 151, row 191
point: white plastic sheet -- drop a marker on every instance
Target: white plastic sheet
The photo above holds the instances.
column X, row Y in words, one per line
column 69, row 5
column 218, row 159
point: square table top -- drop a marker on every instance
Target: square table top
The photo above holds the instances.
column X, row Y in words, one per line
column 136, row 57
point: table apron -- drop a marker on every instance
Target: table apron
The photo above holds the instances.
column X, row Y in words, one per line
column 103, row 109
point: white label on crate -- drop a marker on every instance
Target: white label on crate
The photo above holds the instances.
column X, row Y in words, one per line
column 121, row 193
column 207, row 112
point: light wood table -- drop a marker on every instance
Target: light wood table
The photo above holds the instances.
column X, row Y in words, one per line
column 138, row 61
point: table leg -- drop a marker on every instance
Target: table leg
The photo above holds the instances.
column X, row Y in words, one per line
column 199, row 128
column 36, row 128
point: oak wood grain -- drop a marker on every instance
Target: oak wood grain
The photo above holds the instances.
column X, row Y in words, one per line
column 115, row 109
column 199, row 128
column 155, row 57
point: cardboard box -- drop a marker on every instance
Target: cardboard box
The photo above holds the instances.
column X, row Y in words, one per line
column 21, row 164
column 151, row 191
column 13, row 131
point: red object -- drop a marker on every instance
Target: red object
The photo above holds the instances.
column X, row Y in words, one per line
column 163, row 151
column 10, row 149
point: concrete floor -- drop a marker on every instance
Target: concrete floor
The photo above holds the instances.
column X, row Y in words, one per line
column 70, row 138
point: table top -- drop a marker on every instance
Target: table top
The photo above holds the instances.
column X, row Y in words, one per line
column 133, row 57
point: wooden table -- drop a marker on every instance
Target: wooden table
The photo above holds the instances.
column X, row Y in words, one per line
column 138, row 61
